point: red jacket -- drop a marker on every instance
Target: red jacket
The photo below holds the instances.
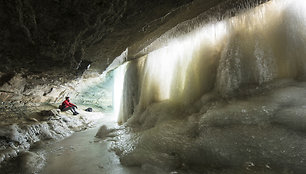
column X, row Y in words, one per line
column 67, row 103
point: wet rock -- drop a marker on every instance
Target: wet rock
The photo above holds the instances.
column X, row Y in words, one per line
column 53, row 112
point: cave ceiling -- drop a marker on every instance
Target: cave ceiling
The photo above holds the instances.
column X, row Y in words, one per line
column 68, row 35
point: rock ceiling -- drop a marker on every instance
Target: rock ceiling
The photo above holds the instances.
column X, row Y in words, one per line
column 68, row 35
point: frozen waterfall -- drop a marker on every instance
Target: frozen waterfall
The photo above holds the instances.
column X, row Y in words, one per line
column 227, row 95
column 255, row 47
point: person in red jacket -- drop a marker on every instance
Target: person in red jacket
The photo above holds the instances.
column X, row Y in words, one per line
column 67, row 105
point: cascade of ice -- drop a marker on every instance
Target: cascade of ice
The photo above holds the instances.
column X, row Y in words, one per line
column 193, row 104
column 118, row 89
column 257, row 46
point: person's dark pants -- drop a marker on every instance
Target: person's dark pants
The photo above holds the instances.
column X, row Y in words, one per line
column 72, row 109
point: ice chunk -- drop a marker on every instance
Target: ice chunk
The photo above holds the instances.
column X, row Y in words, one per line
column 104, row 132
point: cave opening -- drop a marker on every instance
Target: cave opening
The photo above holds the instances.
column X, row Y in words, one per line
column 97, row 93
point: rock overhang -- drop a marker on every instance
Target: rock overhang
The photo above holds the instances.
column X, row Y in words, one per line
column 66, row 36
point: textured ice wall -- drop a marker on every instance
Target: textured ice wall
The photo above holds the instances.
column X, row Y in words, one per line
column 261, row 133
column 258, row 46
column 194, row 104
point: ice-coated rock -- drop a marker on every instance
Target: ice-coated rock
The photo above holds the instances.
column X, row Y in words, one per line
column 19, row 137
column 31, row 162
column 104, row 132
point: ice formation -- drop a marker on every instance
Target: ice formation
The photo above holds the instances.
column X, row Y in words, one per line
column 19, row 137
column 228, row 94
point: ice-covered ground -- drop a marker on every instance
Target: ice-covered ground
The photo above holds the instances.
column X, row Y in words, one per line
column 261, row 131
column 84, row 153
column 18, row 136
